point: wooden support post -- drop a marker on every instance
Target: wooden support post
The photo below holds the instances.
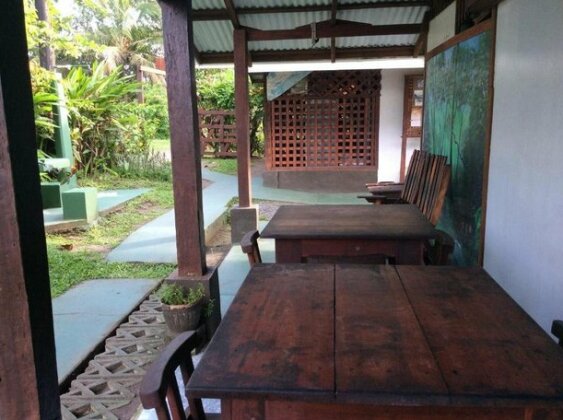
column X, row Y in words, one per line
column 28, row 372
column 184, row 137
column 242, row 116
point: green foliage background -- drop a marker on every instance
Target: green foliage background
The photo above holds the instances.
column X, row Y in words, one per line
column 455, row 118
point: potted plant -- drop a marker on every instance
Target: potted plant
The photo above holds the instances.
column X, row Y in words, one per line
column 181, row 307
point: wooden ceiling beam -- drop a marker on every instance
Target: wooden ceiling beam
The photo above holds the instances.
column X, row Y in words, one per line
column 326, row 30
column 313, row 54
column 333, row 12
column 222, row 14
column 232, row 13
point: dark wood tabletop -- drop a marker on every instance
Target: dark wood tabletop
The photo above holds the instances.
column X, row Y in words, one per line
column 392, row 221
column 357, row 335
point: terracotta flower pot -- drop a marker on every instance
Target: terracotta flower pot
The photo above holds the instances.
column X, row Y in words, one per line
column 180, row 318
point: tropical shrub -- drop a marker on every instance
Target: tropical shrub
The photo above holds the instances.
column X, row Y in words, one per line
column 104, row 121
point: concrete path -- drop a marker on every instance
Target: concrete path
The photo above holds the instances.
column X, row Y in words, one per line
column 155, row 242
column 86, row 314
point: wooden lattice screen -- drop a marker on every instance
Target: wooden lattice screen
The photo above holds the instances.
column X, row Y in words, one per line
column 333, row 125
column 217, row 133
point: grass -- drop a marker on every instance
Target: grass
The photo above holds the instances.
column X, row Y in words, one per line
column 89, row 247
column 224, row 166
column 160, row 145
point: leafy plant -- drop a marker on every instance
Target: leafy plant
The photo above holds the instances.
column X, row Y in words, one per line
column 173, row 294
column 104, row 124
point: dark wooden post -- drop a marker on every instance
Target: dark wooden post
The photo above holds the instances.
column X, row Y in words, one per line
column 242, row 110
column 184, row 137
column 186, row 156
column 28, row 371
column 245, row 217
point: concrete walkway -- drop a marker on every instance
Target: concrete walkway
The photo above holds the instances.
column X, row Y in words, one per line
column 155, row 242
column 86, row 314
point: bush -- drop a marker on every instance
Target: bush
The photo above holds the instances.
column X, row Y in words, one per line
column 155, row 111
column 147, row 165
column 105, row 124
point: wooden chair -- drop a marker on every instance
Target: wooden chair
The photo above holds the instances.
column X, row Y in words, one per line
column 557, row 330
column 249, row 245
column 160, row 390
column 426, row 185
column 439, row 250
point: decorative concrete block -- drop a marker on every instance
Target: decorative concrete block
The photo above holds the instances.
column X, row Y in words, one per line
column 80, row 203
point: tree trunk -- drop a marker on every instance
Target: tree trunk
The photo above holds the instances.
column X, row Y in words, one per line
column 46, row 53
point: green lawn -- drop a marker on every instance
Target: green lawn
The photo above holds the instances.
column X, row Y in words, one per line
column 160, row 145
column 86, row 260
column 225, row 166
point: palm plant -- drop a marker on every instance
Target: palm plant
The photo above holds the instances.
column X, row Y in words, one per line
column 128, row 31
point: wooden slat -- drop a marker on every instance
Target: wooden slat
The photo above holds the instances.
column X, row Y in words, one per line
column 265, row 345
column 488, row 349
column 382, row 355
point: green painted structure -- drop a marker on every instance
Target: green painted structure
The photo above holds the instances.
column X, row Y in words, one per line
column 80, row 203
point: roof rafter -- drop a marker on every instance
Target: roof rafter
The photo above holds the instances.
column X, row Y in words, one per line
column 312, row 54
column 328, row 30
column 222, row 14
column 232, row 13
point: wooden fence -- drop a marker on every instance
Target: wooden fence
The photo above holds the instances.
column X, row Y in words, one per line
column 218, row 133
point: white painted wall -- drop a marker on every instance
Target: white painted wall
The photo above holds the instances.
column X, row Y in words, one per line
column 442, row 27
column 391, row 122
column 524, row 231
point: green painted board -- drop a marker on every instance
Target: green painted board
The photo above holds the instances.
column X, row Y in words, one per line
column 455, row 120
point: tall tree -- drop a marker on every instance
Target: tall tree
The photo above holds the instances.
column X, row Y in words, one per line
column 129, row 31
column 46, row 53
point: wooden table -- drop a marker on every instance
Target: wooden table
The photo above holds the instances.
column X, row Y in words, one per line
column 312, row 341
column 303, row 232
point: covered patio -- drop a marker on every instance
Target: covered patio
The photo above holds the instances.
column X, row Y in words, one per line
column 504, row 213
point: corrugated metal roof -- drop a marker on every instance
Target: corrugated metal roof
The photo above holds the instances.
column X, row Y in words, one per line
column 213, row 36
column 216, row 36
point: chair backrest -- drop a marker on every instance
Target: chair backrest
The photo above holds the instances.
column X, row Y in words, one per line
column 249, row 245
column 427, row 183
column 412, row 177
column 557, row 330
column 159, row 389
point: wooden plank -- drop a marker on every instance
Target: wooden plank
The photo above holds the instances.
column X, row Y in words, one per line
column 19, row 148
column 401, row 221
column 297, row 410
column 242, row 117
column 184, row 138
column 381, row 353
column 276, row 339
column 347, row 29
column 312, row 55
column 489, row 350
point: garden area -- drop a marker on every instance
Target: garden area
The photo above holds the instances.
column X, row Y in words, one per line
column 100, row 58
